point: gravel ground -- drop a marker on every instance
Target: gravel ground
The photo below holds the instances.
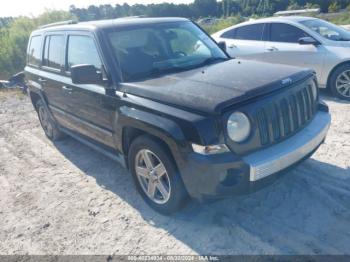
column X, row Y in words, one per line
column 64, row 198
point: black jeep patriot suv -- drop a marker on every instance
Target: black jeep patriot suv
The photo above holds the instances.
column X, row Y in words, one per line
column 160, row 96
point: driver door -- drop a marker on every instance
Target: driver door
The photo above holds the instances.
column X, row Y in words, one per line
column 283, row 47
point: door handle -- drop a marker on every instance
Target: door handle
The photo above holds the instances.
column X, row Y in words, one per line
column 232, row 46
column 42, row 80
column 272, row 48
column 68, row 89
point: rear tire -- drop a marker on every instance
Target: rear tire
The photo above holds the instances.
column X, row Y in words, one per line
column 156, row 176
column 47, row 123
column 340, row 82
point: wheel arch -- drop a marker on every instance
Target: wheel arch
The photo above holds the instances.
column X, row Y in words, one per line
column 131, row 133
column 133, row 123
column 34, row 97
column 334, row 69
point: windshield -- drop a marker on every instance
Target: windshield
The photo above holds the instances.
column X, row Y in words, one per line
column 327, row 30
column 156, row 49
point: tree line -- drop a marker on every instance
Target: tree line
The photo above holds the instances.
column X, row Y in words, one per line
column 14, row 35
column 14, row 32
column 205, row 8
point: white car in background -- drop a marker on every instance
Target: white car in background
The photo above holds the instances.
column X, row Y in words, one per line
column 299, row 41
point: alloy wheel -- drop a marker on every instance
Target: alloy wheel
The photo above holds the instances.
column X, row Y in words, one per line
column 152, row 176
column 45, row 121
column 343, row 84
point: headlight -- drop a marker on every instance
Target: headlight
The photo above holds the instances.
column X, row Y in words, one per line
column 238, row 127
column 314, row 90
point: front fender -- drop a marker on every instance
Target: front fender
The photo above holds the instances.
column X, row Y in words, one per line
column 163, row 128
column 155, row 124
column 335, row 57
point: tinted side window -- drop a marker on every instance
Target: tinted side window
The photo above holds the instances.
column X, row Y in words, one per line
column 285, row 33
column 250, row 32
column 54, row 45
column 229, row 34
column 34, row 51
column 82, row 50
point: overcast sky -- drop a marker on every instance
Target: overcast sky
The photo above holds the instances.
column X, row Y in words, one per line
column 35, row 7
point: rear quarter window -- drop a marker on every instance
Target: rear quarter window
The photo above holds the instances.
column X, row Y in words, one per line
column 248, row 32
column 230, row 34
column 34, row 51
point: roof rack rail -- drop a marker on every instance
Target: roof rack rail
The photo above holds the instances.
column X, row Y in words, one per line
column 297, row 12
column 68, row 22
column 133, row 16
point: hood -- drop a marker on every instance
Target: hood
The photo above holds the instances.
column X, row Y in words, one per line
column 345, row 44
column 212, row 88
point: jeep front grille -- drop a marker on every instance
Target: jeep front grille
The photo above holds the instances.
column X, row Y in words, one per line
column 286, row 115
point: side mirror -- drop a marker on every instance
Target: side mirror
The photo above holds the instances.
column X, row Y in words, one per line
column 308, row 41
column 222, row 45
column 85, row 74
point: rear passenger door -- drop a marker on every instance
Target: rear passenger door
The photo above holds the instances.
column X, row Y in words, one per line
column 52, row 69
column 245, row 41
column 90, row 109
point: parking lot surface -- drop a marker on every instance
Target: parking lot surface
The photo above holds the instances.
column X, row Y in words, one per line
column 64, row 198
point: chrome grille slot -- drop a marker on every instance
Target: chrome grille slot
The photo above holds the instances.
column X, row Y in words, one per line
column 276, row 132
column 308, row 103
column 295, row 113
column 263, row 127
column 312, row 105
column 301, row 105
column 285, row 115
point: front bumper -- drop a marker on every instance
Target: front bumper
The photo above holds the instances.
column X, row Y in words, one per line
column 276, row 158
column 217, row 176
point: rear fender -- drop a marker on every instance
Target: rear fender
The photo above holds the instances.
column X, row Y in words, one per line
column 42, row 97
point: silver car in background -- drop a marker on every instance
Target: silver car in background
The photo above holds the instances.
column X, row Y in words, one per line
column 299, row 41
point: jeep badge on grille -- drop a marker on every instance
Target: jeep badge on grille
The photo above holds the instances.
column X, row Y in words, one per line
column 287, row 81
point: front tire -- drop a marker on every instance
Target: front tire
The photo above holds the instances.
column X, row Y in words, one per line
column 156, row 176
column 340, row 82
column 47, row 123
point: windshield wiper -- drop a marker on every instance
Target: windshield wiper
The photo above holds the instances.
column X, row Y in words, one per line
column 156, row 71
column 212, row 60
column 343, row 39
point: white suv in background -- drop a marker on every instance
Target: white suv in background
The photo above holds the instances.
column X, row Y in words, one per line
column 299, row 41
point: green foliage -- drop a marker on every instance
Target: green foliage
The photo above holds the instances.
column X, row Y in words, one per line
column 5, row 21
column 51, row 16
column 334, row 7
column 223, row 23
column 204, row 8
column 14, row 32
column 311, row 6
column 14, row 39
column 294, row 6
column 340, row 19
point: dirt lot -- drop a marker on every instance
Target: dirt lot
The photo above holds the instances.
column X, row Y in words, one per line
column 64, row 198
